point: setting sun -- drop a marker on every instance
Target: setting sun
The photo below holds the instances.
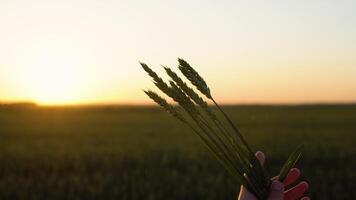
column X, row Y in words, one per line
column 54, row 79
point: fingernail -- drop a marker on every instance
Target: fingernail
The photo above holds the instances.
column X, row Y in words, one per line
column 277, row 185
column 305, row 184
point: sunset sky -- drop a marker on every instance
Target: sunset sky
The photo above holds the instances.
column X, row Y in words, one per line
column 86, row 51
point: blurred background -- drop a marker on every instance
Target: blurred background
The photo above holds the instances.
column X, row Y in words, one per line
column 75, row 124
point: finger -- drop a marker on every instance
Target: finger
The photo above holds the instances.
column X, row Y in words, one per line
column 260, row 157
column 276, row 191
column 245, row 194
column 305, row 198
column 292, row 176
column 296, row 192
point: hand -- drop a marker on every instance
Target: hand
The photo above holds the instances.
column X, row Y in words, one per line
column 277, row 191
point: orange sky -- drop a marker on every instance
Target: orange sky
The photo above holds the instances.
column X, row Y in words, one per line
column 75, row 52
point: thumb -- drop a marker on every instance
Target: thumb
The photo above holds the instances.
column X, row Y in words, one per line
column 276, row 191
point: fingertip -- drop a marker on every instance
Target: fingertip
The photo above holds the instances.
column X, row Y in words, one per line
column 297, row 191
column 259, row 152
column 260, row 157
column 295, row 170
column 305, row 185
column 292, row 176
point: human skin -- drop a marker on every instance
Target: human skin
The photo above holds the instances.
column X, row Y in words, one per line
column 277, row 190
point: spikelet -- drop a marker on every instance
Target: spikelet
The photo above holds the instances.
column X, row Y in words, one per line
column 194, row 77
column 183, row 100
column 162, row 102
column 157, row 80
column 190, row 92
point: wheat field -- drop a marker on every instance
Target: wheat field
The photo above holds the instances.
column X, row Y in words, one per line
column 128, row 152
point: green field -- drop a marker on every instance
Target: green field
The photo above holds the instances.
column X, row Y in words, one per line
column 141, row 153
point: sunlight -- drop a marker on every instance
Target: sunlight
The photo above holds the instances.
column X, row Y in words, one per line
column 54, row 79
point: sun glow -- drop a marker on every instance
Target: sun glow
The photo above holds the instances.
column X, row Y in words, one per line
column 54, row 79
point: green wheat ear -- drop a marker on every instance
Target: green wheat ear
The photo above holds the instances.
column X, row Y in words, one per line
column 194, row 77
column 190, row 92
column 163, row 103
column 230, row 148
column 156, row 79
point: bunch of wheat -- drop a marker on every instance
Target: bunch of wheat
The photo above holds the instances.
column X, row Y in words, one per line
column 214, row 127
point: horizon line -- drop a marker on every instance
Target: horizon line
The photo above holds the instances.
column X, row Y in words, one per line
column 30, row 104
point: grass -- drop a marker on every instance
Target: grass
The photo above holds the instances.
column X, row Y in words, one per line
column 140, row 152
